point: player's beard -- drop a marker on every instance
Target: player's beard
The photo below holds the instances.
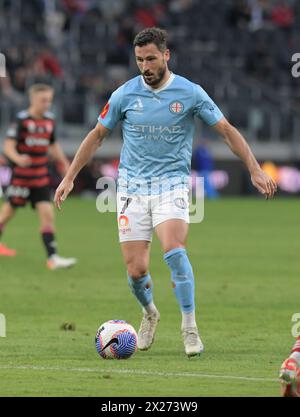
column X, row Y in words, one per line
column 156, row 80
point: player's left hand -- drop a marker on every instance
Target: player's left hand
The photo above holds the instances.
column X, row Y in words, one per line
column 264, row 183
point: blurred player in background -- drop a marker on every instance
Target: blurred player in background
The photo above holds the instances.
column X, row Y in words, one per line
column 204, row 164
column 26, row 146
column 290, row 373
column 157, row 110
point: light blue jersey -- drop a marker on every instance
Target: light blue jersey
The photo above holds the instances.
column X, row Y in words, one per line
column 158, row 128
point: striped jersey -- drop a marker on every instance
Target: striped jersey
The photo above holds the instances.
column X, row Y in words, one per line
column 33, row 137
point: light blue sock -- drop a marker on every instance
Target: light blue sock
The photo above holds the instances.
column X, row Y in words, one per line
column 142, row 289
column 182, row 277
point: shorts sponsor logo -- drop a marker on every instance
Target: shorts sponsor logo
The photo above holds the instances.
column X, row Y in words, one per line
column 123, row 221
column 176, row 107
column 180, row 203
column 123, row 224
column 15, row 191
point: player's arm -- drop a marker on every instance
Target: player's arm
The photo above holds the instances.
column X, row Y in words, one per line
column 86, row 150
column 240, row 147
column 10, row 151
column 58, row 155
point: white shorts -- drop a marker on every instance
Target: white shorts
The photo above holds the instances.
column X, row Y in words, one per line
column 138, row 215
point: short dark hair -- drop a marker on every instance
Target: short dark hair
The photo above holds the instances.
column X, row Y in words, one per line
column 152, row 35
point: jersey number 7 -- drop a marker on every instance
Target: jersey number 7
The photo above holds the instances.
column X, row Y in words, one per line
column 127, row 200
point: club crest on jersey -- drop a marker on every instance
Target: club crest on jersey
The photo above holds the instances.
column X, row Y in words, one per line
column 176, row 107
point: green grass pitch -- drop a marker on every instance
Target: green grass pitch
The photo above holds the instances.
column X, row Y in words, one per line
column 245, row 256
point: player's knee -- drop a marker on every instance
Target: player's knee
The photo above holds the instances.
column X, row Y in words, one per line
column 47, row 225
column 167, row 247
column 136, row 271
column 49, row 218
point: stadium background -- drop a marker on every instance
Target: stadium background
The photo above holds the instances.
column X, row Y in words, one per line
column 240, row 51
column 245, row 254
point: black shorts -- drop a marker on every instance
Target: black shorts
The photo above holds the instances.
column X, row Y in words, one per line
column 19, row 196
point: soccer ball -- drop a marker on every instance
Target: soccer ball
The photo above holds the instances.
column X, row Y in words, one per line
column 116, row 339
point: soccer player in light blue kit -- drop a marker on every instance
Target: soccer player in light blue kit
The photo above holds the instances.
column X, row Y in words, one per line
column 157, row 110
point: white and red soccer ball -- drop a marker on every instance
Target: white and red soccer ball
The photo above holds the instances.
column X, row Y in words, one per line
column 116, row 339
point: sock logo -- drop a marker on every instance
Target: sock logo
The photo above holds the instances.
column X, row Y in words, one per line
column 2, row 325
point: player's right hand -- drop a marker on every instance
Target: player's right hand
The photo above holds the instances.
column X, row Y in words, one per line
column 62, row 192
column 23, row 161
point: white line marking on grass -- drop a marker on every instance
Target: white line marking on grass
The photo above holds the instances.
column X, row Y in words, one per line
column 137, row 372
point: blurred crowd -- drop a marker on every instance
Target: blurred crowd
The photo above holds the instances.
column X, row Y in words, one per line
column 86, row 45
column 50, row 37
column 279, row 21
column 84, row 49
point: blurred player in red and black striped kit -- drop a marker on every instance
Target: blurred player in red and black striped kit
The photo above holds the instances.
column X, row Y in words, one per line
column 27, row 144
column 290, row 373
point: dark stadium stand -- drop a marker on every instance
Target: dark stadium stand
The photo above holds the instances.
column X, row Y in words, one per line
column 238, row 50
